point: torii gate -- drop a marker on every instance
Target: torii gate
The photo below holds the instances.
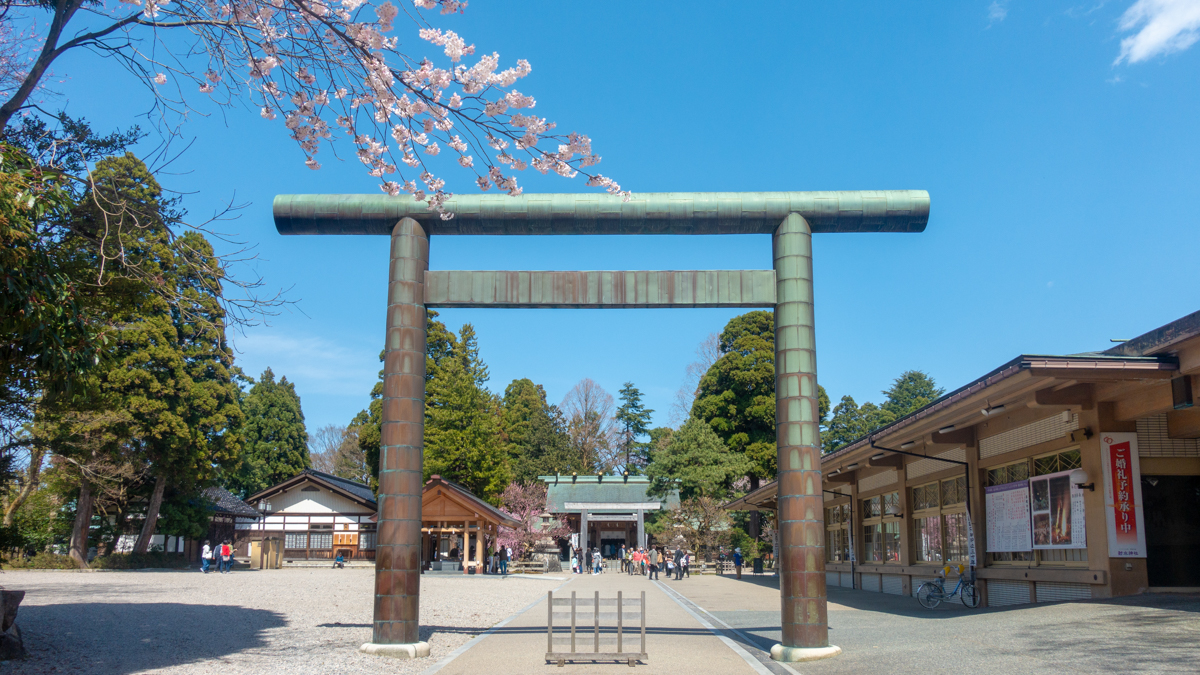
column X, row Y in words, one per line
column 789, row 217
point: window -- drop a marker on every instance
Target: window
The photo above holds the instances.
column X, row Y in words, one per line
column 1062, row 460
column 366, row 541
column 321, row 536
column 295, row 540
column 881, row 528
column 837, row 533
column 940, row 521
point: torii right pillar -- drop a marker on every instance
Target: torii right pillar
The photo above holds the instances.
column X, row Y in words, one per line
column 797, row 440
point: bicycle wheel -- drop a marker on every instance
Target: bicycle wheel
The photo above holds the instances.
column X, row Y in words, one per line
column 970, row 595
column 929, row 595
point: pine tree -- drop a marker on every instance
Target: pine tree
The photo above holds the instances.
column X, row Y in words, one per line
column 634, row 420
column 276, row 446
column 699, row 460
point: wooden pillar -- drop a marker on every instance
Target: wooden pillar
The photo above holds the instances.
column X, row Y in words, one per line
column 398, row 549
column 801, row 504
column 479, row 547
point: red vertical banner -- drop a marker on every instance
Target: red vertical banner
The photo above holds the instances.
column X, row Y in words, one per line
column 1123, row 496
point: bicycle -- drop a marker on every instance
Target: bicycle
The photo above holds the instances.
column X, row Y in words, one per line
column 932, row 593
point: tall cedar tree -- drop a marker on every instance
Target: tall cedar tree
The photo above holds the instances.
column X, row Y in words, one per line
column 699, row 460
column 440, row 344
column 169, row 372
column 737, row 394
column 634, row 420
column 463, row 423
column 276, row 440
column 536, row 432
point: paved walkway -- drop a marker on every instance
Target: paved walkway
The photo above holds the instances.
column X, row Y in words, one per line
column 676, row 640
column 894, row 634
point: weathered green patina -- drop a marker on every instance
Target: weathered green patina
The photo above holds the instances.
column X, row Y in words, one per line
column 646, row 213
column 585, row 290
column 789, row 217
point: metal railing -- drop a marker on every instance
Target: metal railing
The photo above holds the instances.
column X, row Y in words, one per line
column 625, row 608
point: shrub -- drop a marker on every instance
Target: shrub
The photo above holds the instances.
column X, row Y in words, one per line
column 44, row 561
column 138, row 561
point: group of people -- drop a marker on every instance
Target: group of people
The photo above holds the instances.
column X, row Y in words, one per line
column 649, row 562
column 498, row 559
column 589, row 559
column 222, row 555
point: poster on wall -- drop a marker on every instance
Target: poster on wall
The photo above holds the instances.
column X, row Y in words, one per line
column 1056, row 508
column 1123, row 495
column 1008, row 524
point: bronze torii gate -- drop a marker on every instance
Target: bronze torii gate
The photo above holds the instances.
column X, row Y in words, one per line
column 789, row 217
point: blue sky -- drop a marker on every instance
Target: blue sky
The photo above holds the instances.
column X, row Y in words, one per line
column 1063, row 185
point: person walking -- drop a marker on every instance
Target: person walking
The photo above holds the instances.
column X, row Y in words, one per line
column 621, row 557
column 596, row 562
column 504, row 560
column 653, row 561
column 226, row 561
column 737, row 561
column 205, row 556
column 687, row 564
column 679, row 564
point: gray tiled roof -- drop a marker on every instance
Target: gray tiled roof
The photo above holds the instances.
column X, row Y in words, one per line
column 606, row 489
column 353, row 487
column 224, row 501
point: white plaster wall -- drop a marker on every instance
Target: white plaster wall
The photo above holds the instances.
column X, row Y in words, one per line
column 295, row 500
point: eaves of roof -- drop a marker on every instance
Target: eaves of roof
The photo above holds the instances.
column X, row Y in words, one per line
column 1004, row 372
column 356, row 492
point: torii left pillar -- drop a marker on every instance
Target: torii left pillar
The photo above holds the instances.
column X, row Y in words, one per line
column 398, row 553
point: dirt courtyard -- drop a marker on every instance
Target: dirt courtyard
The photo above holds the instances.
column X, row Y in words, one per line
column 278, row 621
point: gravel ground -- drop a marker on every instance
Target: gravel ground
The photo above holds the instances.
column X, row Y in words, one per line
column 284, row 621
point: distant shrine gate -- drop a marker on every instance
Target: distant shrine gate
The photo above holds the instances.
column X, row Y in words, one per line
column 789, row 217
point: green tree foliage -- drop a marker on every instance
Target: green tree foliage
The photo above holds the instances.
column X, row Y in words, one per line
column 276, row 446
column 633, row 418
column 737, row 394
column 909, row 392
column 463, row 439
column 699, row 460
column 538, row 443
column 440, row 344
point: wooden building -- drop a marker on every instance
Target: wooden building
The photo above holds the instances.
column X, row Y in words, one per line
column 458, row 526
column 605, row 511
column 1070, row 477
column 317, row 514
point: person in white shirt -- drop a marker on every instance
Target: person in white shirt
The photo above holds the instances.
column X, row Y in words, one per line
column 205, row 556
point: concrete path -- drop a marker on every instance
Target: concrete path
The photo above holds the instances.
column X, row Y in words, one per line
column 676, row 641
column 894, row 634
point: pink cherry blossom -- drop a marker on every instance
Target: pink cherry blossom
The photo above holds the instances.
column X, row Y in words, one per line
column 160, row 78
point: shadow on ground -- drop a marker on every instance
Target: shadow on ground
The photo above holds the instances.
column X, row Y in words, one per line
column 121, row 638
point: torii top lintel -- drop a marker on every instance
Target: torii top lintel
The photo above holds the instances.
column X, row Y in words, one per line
column 645, row 213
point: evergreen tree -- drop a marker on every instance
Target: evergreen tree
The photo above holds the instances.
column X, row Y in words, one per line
column 737, row 394
column 538, row 443
column 910, row 392
column 634, row 421
column 276, row 446
column 165, row 384
column 463, row 439
column 699, row 460
column 440, row 344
